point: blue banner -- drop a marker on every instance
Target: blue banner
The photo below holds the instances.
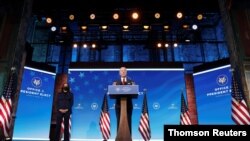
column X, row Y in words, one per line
column 34, row 108
column 213, row 95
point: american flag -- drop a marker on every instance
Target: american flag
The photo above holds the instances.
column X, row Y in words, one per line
column 184, row 117
column 240, row 114
column 144, row 125
column 6, row 103
column 62, row 127
column 104, row 122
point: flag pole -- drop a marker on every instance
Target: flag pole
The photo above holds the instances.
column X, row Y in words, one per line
column 145, row 91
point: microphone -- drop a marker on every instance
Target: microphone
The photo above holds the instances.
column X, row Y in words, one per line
column 132, row 82
column 128, row 77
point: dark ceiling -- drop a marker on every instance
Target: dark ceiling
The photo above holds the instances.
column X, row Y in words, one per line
column 83, row 5
column 60, row 10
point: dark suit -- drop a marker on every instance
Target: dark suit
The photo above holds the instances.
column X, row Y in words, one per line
column 64, row 101
column 129, row 104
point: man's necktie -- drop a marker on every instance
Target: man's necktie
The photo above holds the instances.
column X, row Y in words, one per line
column 123, row 81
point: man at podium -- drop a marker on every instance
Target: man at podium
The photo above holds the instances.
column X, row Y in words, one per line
column 124, row 80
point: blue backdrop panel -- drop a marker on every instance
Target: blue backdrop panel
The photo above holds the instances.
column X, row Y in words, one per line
column 213, row 95
column 34, row 109
column 89, row 86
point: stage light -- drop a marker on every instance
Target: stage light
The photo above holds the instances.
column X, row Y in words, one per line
column 84, row 46
column 92, row 16
column 115, row 16
column 187, row 40
column 84, row 27
column 194, row 27
column 175, row 45
column 49, row 20
column 75, row 45
column 146, row 27
column 166, row 45
column 93, row 45
column 104, row 27
column 53, row 28
column 157, row 15
column 64, row 28
column 179, row 15
column 159, row 45
column 185, row 26
column 125, row 27
column 135, row 15
column 199, row 17
column 71, row 17
column 166, row 27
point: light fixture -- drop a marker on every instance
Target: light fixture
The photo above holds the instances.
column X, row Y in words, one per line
column 49, row 20
column 115, row 16
column 104, row 27
column 179, row 15
column 185, row 26
column 75, row 45
column 146, row 27
column 166, row 45
column 53, row 28
column 135, row 15
column 199, row 17
column 166, row 27
column 175, row 45
column 64, row 28
column 194, row 27
column 92, row 16
column 84, row 45
column 157, row 15
column 125, row 27
column 84, row 27
column 71, row 17
column 93, row 45
column 159, row 45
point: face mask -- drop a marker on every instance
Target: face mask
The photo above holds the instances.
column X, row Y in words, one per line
column 66, row 89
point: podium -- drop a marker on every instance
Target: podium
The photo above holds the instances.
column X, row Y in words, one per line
column 123, row 92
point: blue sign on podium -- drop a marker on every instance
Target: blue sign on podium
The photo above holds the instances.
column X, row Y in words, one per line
column 114, row 90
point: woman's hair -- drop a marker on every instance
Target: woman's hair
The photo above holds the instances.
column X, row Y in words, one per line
column 66, row 87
